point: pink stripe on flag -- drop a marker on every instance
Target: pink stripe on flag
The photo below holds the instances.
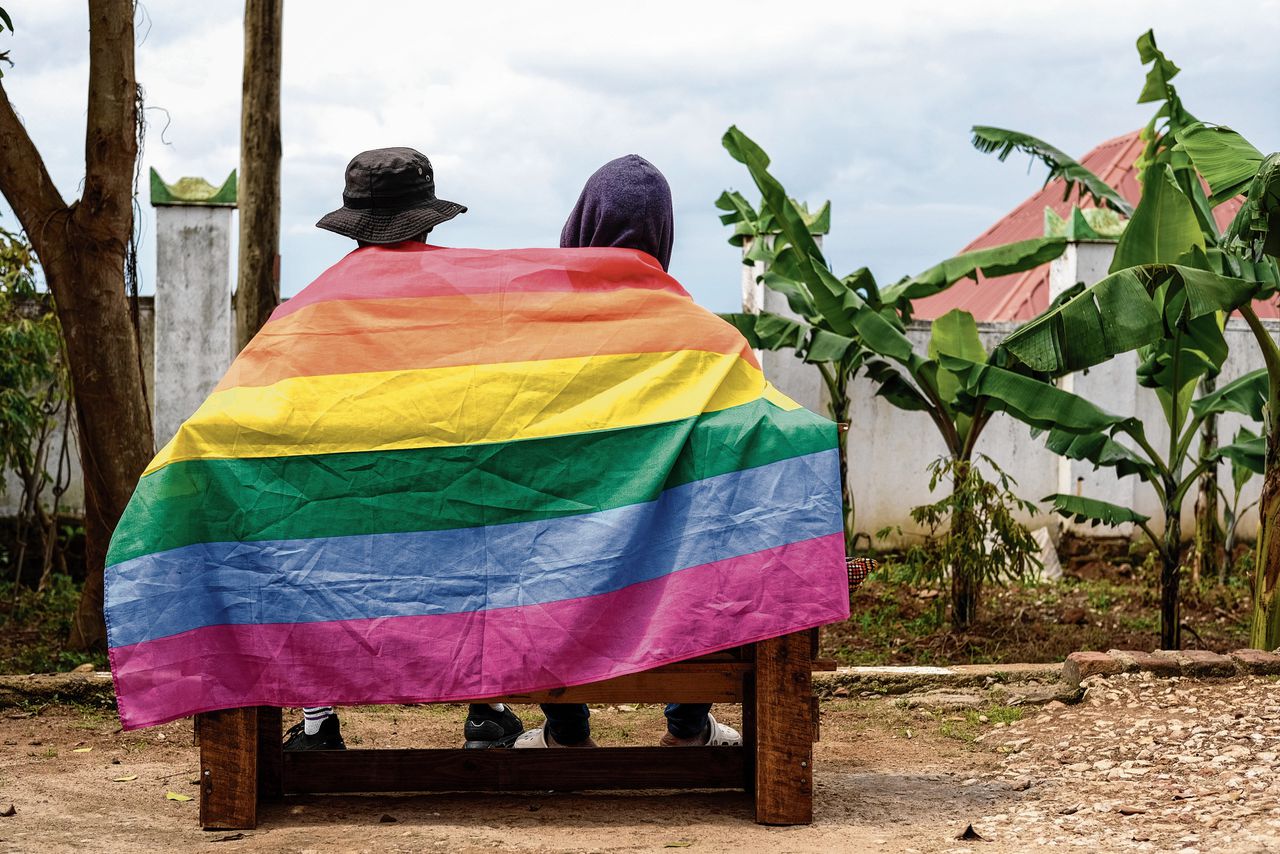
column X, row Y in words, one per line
column 416, row 270
column 453, row 657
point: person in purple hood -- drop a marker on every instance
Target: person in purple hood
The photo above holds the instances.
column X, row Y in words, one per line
column 626, row 204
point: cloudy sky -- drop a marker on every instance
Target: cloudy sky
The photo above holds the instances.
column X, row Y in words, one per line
column 867, row 105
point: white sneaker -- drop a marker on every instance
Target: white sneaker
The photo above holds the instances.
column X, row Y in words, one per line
column 721, row 735
column 531, row 738
column 538, row 738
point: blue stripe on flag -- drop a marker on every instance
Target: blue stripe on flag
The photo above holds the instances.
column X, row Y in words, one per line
column 473, row 569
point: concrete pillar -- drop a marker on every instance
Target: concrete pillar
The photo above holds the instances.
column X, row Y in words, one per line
column 193, row 325
column 1084, row 261
column 1110, row 385
column 801, row 382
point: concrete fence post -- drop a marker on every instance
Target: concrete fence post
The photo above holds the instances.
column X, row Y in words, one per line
column 193, row 296
column 801, row 382
column 1111, row 385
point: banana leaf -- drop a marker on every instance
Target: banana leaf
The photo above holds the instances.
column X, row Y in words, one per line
column 991, row 262
column 768, row 331
column 1257, row 223
column 1248, row 455
column 1225, row 159
column 1081, row 509
column 1246, row 451
column 1101, row 450
column 894, row 387
column 831, row 299
column 1164, row 226
column 1122, row 312
column 955, row 334
column 1004, row 142
column 1031, row 400
column 1246, row 395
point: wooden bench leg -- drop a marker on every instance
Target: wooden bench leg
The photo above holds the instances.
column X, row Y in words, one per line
column 229, row 769
column 270, row 754
column 784, row 727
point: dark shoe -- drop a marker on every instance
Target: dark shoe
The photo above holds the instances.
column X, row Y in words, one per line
column 486, row 728
column 328, row 738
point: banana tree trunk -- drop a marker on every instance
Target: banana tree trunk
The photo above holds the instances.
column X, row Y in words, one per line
column 1170, row 578
column 837, row 377
column 966, row 577
column 846, row 494
column 1208, row 537
column 1266, row 602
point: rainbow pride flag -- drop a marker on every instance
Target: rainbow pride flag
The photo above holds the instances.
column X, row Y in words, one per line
column 451, row 474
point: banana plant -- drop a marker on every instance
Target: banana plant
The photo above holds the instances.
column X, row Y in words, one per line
column 1231, row 166
column 850, row 324
column 1174, row 279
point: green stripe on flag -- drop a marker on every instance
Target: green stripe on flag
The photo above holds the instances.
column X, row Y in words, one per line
column 377, row 492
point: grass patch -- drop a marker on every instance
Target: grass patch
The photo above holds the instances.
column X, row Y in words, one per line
column 972, row 723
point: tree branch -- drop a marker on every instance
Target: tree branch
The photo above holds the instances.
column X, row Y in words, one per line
column 24, row 181
column 111, row 132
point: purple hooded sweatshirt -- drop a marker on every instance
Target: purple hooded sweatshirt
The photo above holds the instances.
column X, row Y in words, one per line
column 626, row 203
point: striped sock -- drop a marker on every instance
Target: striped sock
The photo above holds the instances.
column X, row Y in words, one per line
column 313, row 716
column 498, row 707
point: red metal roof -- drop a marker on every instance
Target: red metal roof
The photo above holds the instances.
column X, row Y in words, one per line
column 1022, row 296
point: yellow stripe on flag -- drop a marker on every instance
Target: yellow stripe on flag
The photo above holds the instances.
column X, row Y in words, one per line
column 472, row 404
column 778, row 399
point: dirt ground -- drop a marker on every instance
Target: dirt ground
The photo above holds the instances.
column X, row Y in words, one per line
column 876, row 789
column 1145, row 765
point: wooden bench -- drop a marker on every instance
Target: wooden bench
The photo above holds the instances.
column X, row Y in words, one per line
column 242, row 764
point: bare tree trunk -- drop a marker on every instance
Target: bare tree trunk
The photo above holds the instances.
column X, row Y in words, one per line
column 258, row 190
column 82, row 249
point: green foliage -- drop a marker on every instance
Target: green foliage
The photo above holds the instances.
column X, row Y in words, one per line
column 972, row 530
column 1173, row 281
column 1091, row 510
column 749, row 225
column 1002, row 143
column 850, row 324
column 32, row 379
column 1163, row 227
column 34, row 391
column 34, row 627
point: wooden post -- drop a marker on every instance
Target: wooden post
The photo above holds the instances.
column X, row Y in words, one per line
column 784, row 730
column 229, row 769
column 270, row 754
column 258, row 291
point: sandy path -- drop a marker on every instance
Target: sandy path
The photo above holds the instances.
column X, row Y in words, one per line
column 876, row 790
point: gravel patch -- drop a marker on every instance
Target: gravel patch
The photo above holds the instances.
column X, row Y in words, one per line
column 1145, row 764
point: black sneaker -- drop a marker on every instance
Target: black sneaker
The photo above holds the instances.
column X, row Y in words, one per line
column 486, row 728
column 328, row 738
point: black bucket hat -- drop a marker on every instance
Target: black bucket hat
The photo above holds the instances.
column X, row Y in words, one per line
column 390, row 196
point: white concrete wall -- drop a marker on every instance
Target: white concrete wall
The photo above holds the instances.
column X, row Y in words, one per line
column 193, row 310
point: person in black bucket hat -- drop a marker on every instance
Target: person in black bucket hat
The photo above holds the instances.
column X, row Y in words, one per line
column 390, row 196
